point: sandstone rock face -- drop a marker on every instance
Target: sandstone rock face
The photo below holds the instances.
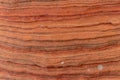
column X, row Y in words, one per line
column 59, row 39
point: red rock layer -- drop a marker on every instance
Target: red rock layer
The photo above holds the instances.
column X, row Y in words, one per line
column 59, row 39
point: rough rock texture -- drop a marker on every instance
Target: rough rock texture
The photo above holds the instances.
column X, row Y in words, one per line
column 59, row 39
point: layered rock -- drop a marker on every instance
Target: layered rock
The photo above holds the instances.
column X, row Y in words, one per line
column 59, row 39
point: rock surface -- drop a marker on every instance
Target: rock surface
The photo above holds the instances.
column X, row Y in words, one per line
column 59, row 39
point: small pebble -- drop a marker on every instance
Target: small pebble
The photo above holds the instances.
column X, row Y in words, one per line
column 100, row 67
column 62, row 62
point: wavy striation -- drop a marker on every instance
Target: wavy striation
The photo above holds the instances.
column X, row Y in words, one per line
column 59, row 39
